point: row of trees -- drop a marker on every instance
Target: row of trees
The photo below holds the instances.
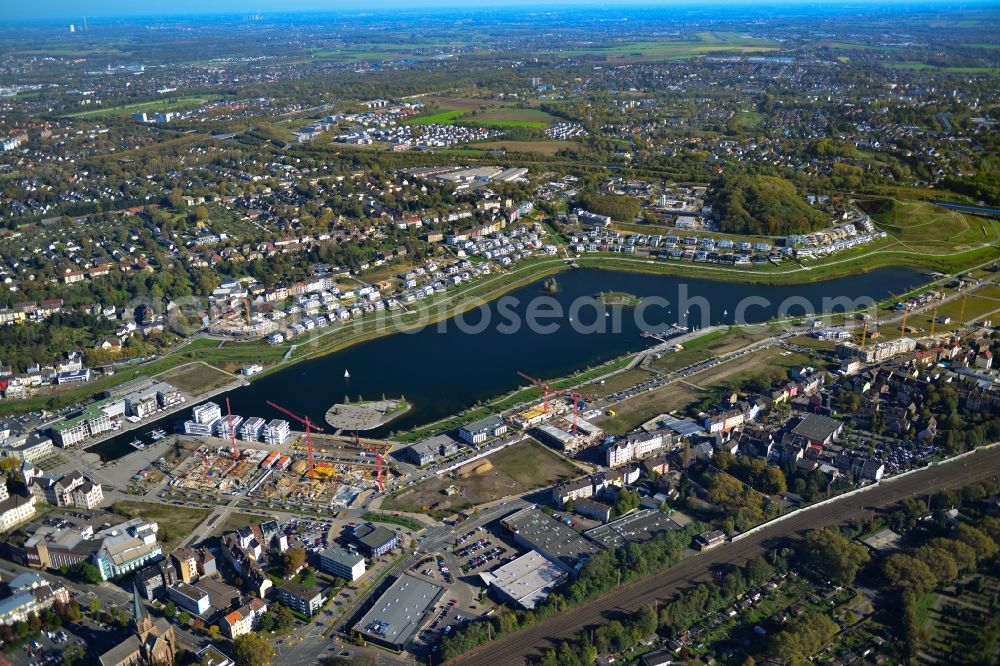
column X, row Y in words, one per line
column 742, row 506
column 803, row 637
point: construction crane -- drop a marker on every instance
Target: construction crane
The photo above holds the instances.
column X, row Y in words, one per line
column 576, row 406
column 378, row 461
column 544, row 386
column 933, row 320
column 246, row 310
column 232, row 431
column 577, row 398
column 310, row 426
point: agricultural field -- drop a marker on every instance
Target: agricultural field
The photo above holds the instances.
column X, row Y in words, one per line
column 413, row 47
column 172, row 104
column 700, row 44
column 196, row 378
column 443, row 117
column 511, row 117
column 464, row 104
column 546, row 148
column 909, row 65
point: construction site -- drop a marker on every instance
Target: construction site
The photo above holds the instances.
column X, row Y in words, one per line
column 305, row 467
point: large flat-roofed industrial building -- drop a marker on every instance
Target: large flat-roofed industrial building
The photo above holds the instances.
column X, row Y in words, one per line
column 399, row 613
column 525, row 581
column 636, row 527
column 534, row 529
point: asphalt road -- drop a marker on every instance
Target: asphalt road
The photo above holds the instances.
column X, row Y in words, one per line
column 514, row 648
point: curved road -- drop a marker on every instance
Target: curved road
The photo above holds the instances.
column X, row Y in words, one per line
column 514, row 648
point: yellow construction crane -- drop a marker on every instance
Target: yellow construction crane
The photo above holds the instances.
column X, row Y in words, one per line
column 902, row 327
column 961, row 316
column 933, row 320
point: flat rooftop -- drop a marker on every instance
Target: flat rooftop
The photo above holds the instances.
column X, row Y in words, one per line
column 634, row 528
column 527, row 579
column 884, row 540
column 550, row 537
column 400, row 611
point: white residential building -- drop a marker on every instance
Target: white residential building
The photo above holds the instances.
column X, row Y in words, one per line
column 276, row 432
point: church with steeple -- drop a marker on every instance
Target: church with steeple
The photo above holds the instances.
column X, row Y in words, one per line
column 151, row 643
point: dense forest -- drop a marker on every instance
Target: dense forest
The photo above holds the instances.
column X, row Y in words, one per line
column 616, row 206
column 765, row 205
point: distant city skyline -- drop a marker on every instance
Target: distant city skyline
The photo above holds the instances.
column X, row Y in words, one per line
column 70, row 10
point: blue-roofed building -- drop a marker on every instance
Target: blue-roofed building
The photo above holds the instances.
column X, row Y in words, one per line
column 31, row 594
column 28, row 580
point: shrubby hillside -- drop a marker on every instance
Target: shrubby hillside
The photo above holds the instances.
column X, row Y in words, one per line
column 764, row 205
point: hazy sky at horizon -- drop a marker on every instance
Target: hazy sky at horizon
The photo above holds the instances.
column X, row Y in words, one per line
column 76, row 9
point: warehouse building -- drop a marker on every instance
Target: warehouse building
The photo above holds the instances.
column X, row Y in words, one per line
column 636, row 527
column 524, row 582
column 399, row 614
column 534, row 529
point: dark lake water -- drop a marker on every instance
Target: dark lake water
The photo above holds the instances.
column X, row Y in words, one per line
column 450, row 366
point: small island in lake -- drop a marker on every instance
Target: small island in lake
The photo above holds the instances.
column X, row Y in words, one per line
column 618, row 298
column 550, row 286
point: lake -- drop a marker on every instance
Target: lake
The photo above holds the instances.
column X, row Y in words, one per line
column 447, row 367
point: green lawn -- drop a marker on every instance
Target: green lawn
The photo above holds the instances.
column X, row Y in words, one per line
column 443, row 117
column 235, row 521
column 197, row 378
column 711, row 344
column 532, row 465
column 921, row 225
column 175, row 522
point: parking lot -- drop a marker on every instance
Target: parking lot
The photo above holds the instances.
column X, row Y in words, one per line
column 479, row 550
column 313, row 535
column 899, row 455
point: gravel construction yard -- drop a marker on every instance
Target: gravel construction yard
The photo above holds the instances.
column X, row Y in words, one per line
column 512, row 471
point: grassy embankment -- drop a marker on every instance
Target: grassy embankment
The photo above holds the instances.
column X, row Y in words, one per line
column 679, row 395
